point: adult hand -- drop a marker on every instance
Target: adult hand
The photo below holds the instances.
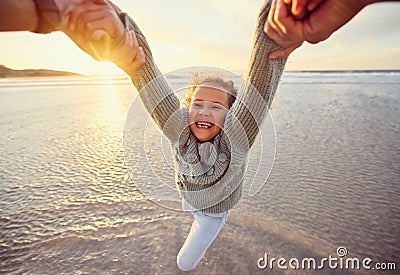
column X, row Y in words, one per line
column 74, row 17
column 51, row 15
column 282, row 27
column 59, row 19
column 325, row 18
column 98, row 30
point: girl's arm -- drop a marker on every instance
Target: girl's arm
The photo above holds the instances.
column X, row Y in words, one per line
column 253, row 101
column 155, row 92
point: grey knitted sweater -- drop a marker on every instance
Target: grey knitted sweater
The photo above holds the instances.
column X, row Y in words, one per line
column 210, row 174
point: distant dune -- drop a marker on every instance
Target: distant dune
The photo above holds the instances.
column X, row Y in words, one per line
column 7, row 72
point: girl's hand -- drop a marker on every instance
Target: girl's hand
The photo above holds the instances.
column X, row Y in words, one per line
column 130, row 56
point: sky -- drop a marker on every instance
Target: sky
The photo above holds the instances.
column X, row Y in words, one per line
column 215, row 33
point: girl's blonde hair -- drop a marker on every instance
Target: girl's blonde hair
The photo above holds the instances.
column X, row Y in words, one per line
column 197, row 81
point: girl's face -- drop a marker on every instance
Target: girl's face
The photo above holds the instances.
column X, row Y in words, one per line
column 207, row 112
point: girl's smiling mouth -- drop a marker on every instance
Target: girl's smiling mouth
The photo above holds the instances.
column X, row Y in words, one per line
column 202, row 124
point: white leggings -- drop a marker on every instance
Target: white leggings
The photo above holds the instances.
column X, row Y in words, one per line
column 204, row 230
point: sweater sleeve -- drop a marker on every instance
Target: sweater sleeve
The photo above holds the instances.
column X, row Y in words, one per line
column 155, row 92
column 255, row 97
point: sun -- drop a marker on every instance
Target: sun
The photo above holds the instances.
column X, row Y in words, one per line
column 54, row 51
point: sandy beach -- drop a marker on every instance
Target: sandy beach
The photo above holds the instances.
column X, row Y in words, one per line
column 69, row 206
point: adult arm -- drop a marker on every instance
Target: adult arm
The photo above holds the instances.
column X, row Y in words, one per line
column 323, row 19
column 18, row 15
column 42, row 16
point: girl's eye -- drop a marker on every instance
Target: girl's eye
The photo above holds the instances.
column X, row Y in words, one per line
column 197, row 105
column 216, row 107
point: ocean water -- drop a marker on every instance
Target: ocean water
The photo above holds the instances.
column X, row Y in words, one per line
column 69, row 206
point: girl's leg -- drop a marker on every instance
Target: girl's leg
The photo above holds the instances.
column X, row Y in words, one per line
column 203, row 232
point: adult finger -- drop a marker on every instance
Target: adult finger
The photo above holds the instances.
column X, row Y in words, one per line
column 114, row 28
column 282, row 17
column 289, row 29
column 78, row 11
column 85, row 24
column 280, row 12
column 299, row 8
column 271, row 28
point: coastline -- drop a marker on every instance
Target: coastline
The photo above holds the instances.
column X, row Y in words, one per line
column 344, row 71
column 7, row 73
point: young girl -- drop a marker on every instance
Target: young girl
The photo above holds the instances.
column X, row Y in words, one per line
column 210, row 135
column 204, row 153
